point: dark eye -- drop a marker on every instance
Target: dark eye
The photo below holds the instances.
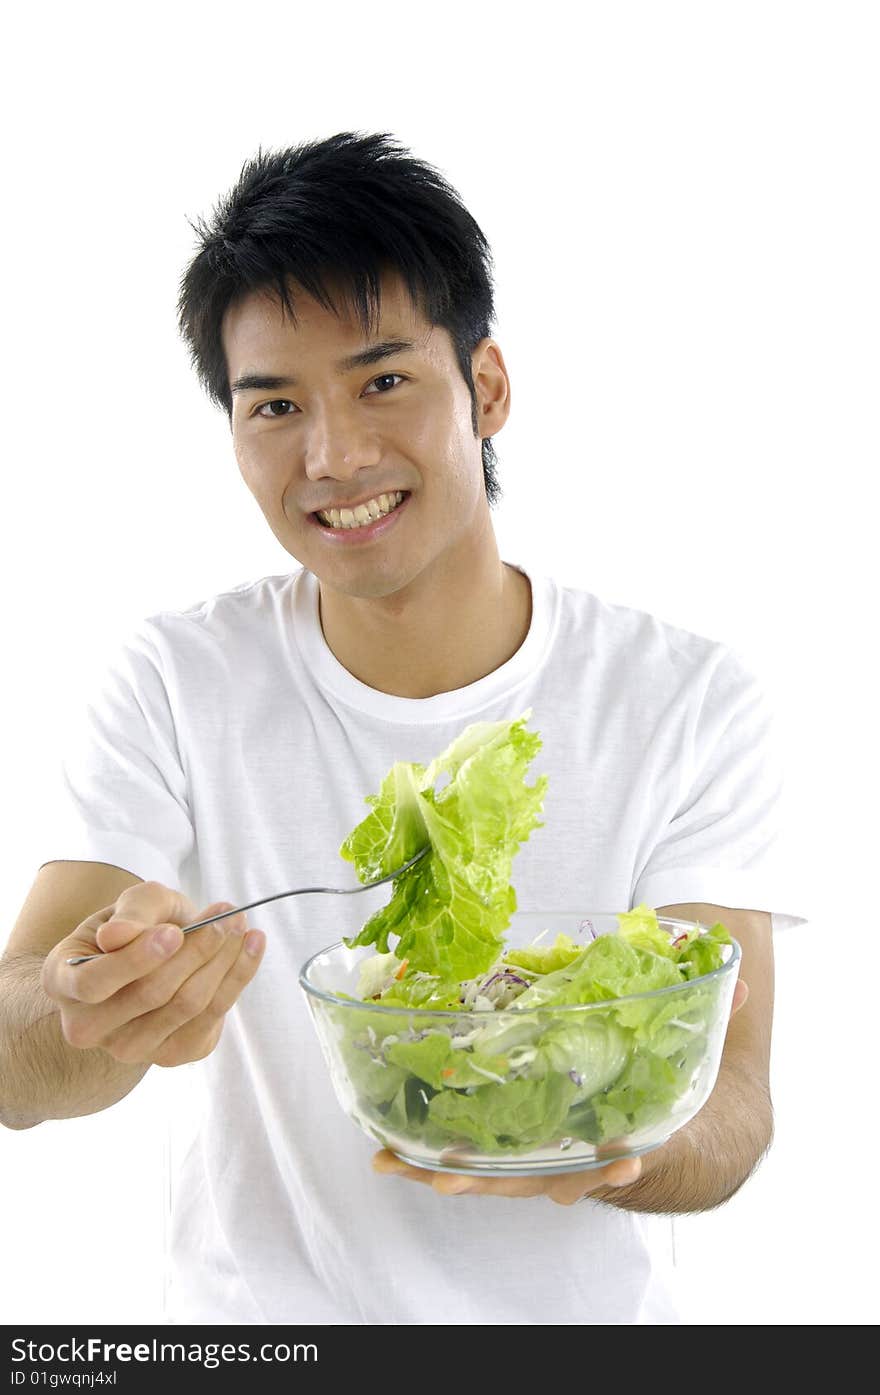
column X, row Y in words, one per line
column 283, row 402
column 383, row 377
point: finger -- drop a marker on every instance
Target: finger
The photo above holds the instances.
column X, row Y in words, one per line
column 576, row 1186
column 116, row 933
column 187, row 1027
column 83, row 941
column 138, row 979
column 148, row 903
column 146, row 1012
column 197, row 952
column 391, row 1165
column 99, row 979
column 198, row 1037
column 450, row 1184
column 740, row 996
column 96, row 920
column 108, row 931
column 564, row 1188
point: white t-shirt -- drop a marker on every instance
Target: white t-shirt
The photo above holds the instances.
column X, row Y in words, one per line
column 228, row 753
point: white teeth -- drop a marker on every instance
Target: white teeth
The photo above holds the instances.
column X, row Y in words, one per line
column 362, row 513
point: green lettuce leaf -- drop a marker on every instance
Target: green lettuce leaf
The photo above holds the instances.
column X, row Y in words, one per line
column 543, row 959
column 450, row 910
column 527, row 1078
column 435, row 1060
column 428, row 991
column 641, row 929
column 592, row 1050
column 701, row 954
column 608, row 967
column 505, row 1118
column 696, row 952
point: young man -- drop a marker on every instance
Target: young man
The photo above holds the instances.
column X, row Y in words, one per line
column 339, row 311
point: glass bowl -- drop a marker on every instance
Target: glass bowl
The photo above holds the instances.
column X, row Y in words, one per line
column 510, row 1092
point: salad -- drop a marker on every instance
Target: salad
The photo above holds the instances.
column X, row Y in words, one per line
column 489, row 1048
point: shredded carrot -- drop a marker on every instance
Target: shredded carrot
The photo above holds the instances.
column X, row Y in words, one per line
column 402, row 970
column 448, row 1071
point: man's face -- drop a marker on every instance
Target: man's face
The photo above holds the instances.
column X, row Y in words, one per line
column 338, row 439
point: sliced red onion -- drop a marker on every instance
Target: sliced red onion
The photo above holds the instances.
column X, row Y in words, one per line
column 504, row 973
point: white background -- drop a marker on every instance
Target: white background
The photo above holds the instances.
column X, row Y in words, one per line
column 682, row 201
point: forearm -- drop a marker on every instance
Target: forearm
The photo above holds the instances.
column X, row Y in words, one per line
column 706, row 1162
column 41, row 1075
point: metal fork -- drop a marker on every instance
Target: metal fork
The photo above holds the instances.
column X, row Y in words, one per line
column 299, row 891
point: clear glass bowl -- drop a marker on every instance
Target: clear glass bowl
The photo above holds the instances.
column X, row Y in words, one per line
column 556, row 1089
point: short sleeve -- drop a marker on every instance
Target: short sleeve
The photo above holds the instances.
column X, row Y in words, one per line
column 122, row 795
column 727, row 842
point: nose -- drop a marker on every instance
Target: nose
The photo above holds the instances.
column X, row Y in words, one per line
column 337, row 447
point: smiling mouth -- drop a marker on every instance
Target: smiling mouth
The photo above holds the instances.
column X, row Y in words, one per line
column 364, row 514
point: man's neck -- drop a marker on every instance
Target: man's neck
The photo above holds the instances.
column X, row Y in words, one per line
column 436, row 636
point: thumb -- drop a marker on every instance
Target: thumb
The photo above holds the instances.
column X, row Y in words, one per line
column 118, row 931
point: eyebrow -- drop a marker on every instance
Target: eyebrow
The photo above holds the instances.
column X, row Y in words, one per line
column 373, row 353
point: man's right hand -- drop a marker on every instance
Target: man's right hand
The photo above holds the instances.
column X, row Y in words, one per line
column 155, row 996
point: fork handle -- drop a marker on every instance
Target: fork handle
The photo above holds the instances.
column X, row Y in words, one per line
column 236, row 910
column 279, row 896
